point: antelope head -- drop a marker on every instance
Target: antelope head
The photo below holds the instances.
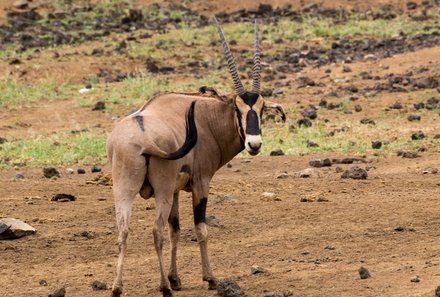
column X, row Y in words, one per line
column 249, row 106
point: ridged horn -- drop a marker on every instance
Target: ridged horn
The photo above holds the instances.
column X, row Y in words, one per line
column 256, row 69
column 231, row 63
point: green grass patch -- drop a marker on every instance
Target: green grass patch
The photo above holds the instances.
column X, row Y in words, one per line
column 14, row 93
column 58, row 149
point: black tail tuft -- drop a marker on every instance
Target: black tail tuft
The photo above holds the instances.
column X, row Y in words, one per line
column 191, row 136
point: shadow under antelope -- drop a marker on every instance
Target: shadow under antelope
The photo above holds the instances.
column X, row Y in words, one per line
column 177, row 142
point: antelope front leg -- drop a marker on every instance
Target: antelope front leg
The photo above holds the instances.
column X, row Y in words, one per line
column 199, row 205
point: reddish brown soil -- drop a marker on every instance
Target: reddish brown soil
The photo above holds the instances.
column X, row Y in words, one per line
column 388, row 223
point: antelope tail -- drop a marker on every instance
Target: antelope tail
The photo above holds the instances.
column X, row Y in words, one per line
column 190, row 139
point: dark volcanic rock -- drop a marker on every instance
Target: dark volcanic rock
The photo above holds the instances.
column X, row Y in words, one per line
column 305, row 81
column 418, row 135
column 98, row 285
column 99, row 105
column 95, row 169
column 309, row 112
column 3, row 140
column 81, row 171
column 358, row 108
column 367, row 121
column 364, row 273
column 229, row 288
column 320, row 163
column 58, row 293
column 396, row 105
column 376, row 144
column 50, row 172
column 414, row 118
column 304, row 122
column 419, row 105
column 63, row 197
column 355, row 173
column 277, row 152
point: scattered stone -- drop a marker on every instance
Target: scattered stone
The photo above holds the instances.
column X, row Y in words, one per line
column 43, row 282
column 396, row 105
column 275, row 294
column 19, row 175
column 415, row 279
column 306, row 199
column 367, row 121
column 414, row 118
column 304, row 122
column 21, row 4
column 266, row 92
column 418, row 135
column 99, row 105
column 229, row 288
column 270, row 196
column 277, row 152
column 309, row 112
column 58, row 293
column 320, row 163
column 81, row 171
column 408, row 154
column 95, row 169
column 419, row 105
column 98, row 286
column 11, row 228
column 101, row 179
column 411, row 5
column 399, row 229
column 437, row 291
column 310, row 143
column 436, row 136
column 339, row 169
column 70, row 171
column 226, row 199
column 430, row 170
column 283, row 175
column 212, row 221
column 364, row 273
column 322, row 199
column 358, row 108
column 305, row 81
column 308, row 172
column 377, row 144
column 86, row 234
column 63, row 197
column 255, row 269
column 3, row 140
column 355, row 172
column 329, row 247
column 50, row 172
column 345, row 68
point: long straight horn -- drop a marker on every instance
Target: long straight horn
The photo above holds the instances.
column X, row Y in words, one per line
column 257, row 63
column 231, row 64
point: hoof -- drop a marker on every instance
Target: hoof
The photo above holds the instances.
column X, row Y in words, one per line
column 212, row 283
column 175, row 283
column 166, row 292
column 116, row 292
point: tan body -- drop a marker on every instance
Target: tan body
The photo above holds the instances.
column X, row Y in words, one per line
column 139, row 167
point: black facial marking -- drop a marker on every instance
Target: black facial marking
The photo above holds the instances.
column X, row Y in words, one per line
column 200, row 211
column 252, row 127
column 140, row 121
column 174, row 221
column 250, row 98
column 186, row 169
column 239, row 116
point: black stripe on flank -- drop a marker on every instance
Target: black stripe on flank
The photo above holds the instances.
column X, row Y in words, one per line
column 191, row 136
column 200, row 211
column 252, row 127
column 140, row 121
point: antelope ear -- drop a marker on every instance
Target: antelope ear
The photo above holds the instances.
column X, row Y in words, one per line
column 278, row 109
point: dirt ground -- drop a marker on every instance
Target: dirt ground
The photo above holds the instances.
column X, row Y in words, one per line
column 388, row 223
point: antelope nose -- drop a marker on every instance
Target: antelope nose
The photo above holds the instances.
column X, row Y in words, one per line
column 255, row 146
